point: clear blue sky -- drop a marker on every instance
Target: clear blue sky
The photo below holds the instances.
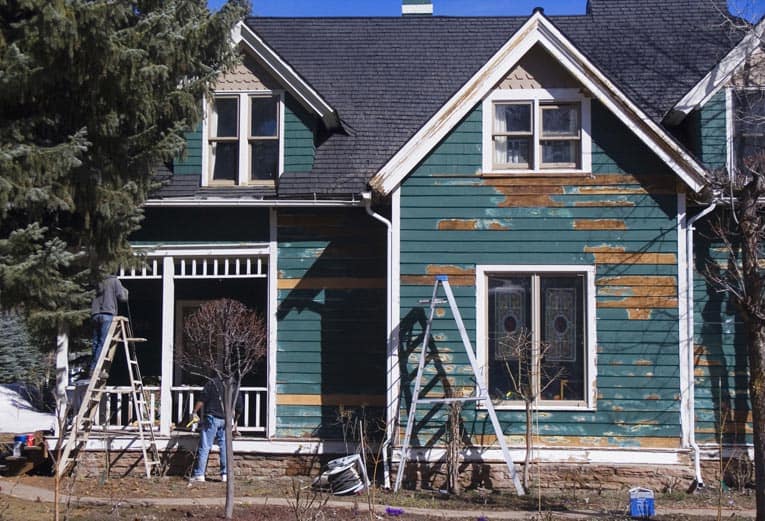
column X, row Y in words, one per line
column 751, row 9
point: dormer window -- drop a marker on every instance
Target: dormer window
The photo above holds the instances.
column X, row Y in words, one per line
column 536, row 131
column 243, row 138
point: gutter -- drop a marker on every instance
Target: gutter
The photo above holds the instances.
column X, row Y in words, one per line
column 689, row 339
column 367, row 199
column 253, row 203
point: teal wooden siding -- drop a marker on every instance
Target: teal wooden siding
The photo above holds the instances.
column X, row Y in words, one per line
column 721, row 375
column 621, row 219
column 707, row 132
column 190, row 162
column 299, row 130
column 331, row 319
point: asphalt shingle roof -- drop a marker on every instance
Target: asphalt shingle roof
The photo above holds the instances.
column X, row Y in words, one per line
column 387, row 76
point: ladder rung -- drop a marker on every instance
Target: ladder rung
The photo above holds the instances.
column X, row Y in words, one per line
column 433, row 301
column 451, row 400
column 135, row 339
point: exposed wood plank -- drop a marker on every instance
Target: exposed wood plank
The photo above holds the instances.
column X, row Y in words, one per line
column 600, row 224
column 331, row 283
column 330, row 399
column 639, row 302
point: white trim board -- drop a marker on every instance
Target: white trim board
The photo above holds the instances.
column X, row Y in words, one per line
column 285, row 75
column 538, row 30
column 719, row 76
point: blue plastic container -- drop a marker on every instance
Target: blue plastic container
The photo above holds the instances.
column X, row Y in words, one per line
column 641, row 503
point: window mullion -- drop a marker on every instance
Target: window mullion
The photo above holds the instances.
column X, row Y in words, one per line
column 244, row 142
column 536, row 153
column 536, row 334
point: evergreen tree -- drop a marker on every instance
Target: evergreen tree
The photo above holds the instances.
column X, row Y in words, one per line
column 94, row 94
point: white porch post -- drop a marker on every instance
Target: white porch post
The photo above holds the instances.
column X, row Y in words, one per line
column 62, row 369
column 168, row 320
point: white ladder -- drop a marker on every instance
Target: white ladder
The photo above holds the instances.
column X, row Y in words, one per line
column 118, row 334
column 481, row 393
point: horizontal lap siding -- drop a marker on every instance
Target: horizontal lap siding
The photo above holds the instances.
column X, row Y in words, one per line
column 331, row 319
column 622, row 219
column 190, row 162
column 299, row 148
column 721, row 372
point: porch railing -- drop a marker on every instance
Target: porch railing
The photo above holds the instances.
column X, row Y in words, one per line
column 117, row 412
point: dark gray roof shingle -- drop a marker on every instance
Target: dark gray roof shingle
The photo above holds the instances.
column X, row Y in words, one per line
column 387, row 76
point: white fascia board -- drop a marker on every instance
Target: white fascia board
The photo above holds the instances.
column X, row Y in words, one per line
column 286, row 75
column 718, row 77
column 537, row 29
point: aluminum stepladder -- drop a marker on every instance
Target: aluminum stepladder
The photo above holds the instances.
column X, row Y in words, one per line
column 481, row 392
column 119, row 334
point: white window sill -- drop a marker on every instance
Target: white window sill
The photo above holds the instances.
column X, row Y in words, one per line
column 518, row 407
column 536, row 173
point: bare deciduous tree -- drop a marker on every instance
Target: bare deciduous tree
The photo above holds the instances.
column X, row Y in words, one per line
column 225, row 340
column 529, row 377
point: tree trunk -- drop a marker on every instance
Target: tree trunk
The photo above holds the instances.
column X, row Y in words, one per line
column 228, row 405
column 529, row 445
column 757, row 399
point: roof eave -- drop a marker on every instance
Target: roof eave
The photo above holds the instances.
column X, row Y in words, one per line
column 537, row 30
column 717, row 78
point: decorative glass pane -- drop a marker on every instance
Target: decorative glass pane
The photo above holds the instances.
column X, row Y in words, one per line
column 225, row 118
column 263, row 116
column 560, row 120
column 560, row 152
column 224, row 158
column 512, row 151
column 264, row 158
column 509, row 335
column 512, row 117
column 562, row 369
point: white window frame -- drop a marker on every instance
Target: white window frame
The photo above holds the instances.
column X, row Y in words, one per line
column 537, row 97
column 243, row 176
column 590, row 337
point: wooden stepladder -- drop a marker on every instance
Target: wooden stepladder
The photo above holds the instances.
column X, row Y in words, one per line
column 119, row 335
column 481, row 392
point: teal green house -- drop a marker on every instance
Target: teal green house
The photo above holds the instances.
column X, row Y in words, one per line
column 553, row 167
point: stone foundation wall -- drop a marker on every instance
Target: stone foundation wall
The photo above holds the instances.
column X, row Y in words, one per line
column 275, row 467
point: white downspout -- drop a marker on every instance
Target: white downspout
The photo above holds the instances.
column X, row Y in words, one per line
column 367, row 199
column 689, row 339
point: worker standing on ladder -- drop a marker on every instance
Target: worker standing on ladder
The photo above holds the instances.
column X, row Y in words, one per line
column 109, row 293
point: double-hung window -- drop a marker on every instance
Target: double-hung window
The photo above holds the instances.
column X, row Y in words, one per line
column 536, row 334
column 243, row 138
column 536, row 131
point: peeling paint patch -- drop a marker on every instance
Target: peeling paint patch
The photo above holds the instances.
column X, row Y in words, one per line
column 652, row 397
column 640, row 302
column 639, row 314
column 643, row 362
column 636, row 280
column 599, row 224
column 604, row 248
column 458, row 224
column 331, row 283
column 605, row 257
column 637, row 291
column 587, row 190
column 604, row 204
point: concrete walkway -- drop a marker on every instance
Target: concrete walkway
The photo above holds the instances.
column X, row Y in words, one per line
column 30, row 493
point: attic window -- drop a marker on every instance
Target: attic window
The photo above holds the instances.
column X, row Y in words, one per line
column 536, row 130
column 243, row 138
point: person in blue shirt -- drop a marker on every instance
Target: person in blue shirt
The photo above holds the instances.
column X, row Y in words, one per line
column 213, row 427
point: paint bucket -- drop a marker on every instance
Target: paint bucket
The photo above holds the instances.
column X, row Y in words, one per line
column 30, row 440
column 18, row 442
column 641, row 503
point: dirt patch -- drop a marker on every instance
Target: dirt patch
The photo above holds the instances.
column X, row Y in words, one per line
column 408, row 505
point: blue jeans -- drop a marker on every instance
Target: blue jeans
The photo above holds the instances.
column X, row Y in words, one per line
column 101, row 323
column 211, row 429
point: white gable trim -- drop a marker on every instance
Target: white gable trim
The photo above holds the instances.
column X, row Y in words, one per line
column 285, row 74
column 717, row 77
column 537, row 30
